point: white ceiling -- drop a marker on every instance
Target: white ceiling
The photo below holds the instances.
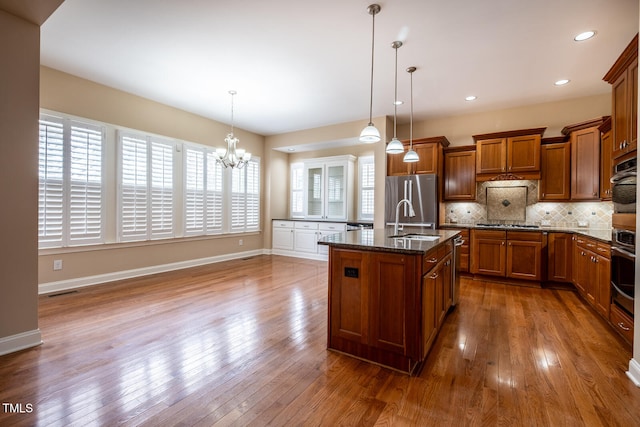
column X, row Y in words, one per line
column 297, row 64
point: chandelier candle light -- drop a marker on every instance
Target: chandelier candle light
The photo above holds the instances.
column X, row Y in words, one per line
column 395, row 146
column 370, row 133
column 411, row 156
column 232, row 156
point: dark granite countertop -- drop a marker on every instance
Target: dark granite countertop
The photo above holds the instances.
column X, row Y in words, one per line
column 380, row 240
column 599, row 234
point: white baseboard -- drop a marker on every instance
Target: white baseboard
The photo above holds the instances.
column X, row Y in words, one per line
column 634, row 372
column 317, row 256
column 20, row 341
column 64, row 285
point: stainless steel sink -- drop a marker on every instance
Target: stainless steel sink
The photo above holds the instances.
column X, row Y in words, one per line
column 424, row 237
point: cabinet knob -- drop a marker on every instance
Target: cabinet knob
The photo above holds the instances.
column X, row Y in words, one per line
column 434, row 276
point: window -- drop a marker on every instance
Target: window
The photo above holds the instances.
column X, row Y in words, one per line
column 203, row 194
column 146, row 190
column 70, row 200
column 297, row 190
column 162, row 188
column 366, row 173
column 245, row 197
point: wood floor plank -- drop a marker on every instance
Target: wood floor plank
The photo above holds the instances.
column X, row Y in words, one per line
column 243, row 342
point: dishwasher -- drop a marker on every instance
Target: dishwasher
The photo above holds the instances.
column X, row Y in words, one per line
column 455, row 271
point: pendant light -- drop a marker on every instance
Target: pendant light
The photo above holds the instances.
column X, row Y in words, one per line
column 370, row 133
column 411, row 156
column 395, row 146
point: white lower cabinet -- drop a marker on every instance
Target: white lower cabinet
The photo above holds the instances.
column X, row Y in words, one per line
column 283, row 235
column 300, row 238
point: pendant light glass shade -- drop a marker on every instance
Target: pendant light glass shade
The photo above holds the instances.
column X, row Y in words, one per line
column 370, row 133
column 411, row 156
column 395, row 146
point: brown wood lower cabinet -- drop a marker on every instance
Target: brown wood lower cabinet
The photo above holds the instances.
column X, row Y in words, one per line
column 559, row 257
column 592, row 272
column 388, row 307
column 512, row 254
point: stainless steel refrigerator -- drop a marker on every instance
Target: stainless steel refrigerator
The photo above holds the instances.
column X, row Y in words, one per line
column 421, row 191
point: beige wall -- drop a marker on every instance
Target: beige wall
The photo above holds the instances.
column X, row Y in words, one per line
column 20, row 53
column 552, row 115
column 68, row 94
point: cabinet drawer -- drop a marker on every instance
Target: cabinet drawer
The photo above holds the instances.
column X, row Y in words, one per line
column 283, row 224
column 489, row 234
column 331, row 226
column 603, row 249
column 525, row 236
column 302, row 225
column 430, row 259
column 621, row 322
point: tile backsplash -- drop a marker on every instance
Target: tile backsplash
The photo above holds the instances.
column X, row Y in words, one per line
column 594, row 215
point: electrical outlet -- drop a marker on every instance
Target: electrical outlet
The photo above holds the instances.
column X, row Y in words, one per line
column 57, row 264
column 240, row 242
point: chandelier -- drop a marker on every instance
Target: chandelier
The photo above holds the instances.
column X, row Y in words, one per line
column 232, row 156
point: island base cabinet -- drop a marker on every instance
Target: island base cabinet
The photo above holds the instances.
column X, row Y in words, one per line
column 374, row 306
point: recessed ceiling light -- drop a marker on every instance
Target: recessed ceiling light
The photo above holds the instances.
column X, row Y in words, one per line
column 471, row 98
column 398, row 102
column 291, row 149
column 584, row 36
column 562, row 82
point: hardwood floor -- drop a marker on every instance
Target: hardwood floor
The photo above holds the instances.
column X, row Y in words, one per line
column 244, row 343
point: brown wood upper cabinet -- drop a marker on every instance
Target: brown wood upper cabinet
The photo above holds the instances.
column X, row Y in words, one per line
column 585, row 158
column 606, row 159
column 555, row 174
column 508, row 153
column 429, row 152
column 460, row 173
column 623, row 77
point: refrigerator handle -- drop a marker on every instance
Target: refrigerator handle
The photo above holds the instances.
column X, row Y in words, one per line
column 410, row 195
column 406, row 213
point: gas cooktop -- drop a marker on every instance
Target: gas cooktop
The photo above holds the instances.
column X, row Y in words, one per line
column 508, row 226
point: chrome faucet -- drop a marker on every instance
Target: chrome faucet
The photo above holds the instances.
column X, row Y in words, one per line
column 412, row 213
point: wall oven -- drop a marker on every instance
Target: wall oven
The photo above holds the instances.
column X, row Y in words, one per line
column 623, row 267
column 623, row 186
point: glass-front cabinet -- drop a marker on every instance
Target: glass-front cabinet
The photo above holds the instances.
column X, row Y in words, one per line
column 327, row 188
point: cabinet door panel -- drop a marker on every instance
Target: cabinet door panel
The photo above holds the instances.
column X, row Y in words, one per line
column 390, row 317
column 460, row 175
column 603, row 291
column 523, row 154
column 428, row 155
column 524, row 260
column 560, row 257
column 491, row 156
column 585, row 166
column 555, row 182
column 620, row 114
column 489, row 256
column 396, row 166
column 349, row 296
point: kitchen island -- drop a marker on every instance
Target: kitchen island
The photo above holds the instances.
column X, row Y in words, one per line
column 388, row 296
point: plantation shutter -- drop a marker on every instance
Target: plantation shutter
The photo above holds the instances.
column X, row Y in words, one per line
column 215, row 176
column 51, row 182
column 245, row 197
column 161, row 189
column 70, row 183
column 133, row 188
column 85, row 184
column 194, row 191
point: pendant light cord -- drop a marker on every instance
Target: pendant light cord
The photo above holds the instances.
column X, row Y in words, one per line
column 411, row 117
column 373, row 34
column 395, row 96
